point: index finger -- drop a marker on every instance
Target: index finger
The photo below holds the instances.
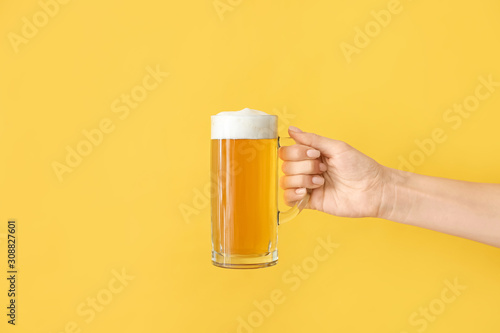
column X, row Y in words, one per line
column 298, row 153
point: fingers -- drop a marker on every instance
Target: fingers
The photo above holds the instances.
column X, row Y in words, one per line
column 301, row 181
column 306, row 167
column 293, row 195
column 298, row 153
column 302, row 166
column 325, row 145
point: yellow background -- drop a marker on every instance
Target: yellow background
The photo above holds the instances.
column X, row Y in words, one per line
column 121, row 207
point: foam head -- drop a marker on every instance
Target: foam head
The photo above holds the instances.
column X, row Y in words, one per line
column 244, row 124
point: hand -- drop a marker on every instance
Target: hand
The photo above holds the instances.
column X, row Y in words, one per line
column 342, row 180
column 345, row 182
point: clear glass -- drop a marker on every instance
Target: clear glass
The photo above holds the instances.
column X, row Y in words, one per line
column 244, row 203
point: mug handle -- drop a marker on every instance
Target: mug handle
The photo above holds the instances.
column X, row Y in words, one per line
column 299, row 205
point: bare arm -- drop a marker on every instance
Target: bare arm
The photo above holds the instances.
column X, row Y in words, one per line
column 464, row 209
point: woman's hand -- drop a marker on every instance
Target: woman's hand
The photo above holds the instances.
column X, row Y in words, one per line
column 342, row 180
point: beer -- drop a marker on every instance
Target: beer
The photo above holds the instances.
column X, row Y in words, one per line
column 244, row 208
column 244, row 189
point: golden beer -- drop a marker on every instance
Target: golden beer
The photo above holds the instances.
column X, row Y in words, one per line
column 244, row 197
column 244, row 206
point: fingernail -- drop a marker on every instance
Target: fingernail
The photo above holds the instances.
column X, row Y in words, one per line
column 294, row 129
column 322, row 167
column 313, row 153
column 300, row 191
column 318, row 180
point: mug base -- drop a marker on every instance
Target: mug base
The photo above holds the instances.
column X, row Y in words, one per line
column 247, row 261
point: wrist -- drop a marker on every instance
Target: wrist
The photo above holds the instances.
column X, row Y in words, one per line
column 394, row 195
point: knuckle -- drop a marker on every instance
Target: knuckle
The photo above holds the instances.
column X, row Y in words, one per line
column 283, row 182
column 314, row 165
column 284, row 167
column 305, row 181
column 296, row 181
column 288, row 168
column 294, row 152
column 288, row 152
column 281, row 152
column 314, row 138
column 343, row 145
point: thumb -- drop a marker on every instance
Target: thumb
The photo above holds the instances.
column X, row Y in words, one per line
column 325, row 145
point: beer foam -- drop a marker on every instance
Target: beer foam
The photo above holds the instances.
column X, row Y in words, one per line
column 244, row 124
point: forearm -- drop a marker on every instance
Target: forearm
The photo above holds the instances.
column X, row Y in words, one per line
column 464, row 209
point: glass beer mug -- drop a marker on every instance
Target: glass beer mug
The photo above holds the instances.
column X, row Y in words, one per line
column 244, row 207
